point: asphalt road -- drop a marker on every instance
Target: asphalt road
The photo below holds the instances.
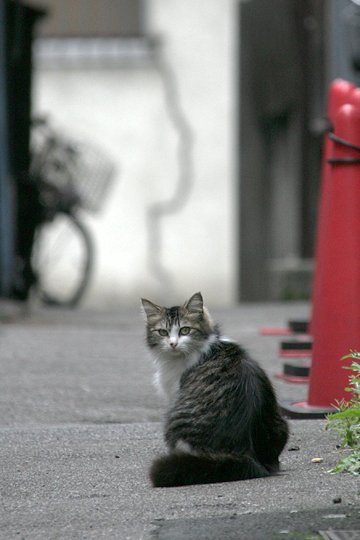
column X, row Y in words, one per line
column 80, row 424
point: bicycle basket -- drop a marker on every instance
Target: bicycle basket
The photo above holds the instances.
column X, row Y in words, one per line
column 71, row 166
column 93, row 173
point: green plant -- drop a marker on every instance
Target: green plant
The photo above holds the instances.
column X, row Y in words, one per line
column 346, row 422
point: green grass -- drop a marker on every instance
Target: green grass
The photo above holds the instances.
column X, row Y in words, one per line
column 346, row 421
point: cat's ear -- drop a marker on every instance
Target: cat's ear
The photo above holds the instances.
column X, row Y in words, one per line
column 195, row 304
column 150, row 309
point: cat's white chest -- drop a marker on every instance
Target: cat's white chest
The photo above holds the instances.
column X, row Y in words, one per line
column 169, row 369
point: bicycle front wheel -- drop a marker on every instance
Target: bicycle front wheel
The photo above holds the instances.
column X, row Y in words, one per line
column 63, row 260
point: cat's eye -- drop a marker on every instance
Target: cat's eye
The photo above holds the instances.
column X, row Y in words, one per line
column 185, row 330
column 163, row 332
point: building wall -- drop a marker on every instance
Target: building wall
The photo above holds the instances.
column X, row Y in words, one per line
column 123, row 109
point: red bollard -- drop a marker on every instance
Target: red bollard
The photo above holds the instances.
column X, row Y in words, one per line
column 336, row 309
column 339, row 94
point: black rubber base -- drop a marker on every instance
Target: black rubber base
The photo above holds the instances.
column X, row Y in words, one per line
column 299, row 326
column 297, row 368
column 302, row 411
column 296, row 345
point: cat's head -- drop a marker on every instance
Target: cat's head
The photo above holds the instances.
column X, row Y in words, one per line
column 179, row 329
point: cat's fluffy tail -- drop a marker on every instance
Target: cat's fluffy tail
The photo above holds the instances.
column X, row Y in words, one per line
column 181, row 469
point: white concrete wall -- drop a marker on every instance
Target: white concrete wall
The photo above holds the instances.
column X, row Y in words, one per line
column 123, row 110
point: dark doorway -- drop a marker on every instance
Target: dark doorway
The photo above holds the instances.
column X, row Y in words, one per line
column 282, row 100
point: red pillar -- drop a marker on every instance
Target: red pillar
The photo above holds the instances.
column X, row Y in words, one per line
column 339, row 93
column 336, row 304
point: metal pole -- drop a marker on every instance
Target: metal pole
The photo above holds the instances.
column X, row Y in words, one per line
column 7, row 232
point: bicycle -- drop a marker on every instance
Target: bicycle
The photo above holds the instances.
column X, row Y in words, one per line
column 69, row 175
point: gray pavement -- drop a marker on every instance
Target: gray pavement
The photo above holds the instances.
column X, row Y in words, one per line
column 80, row 423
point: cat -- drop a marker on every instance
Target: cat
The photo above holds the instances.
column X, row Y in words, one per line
column 223, row 422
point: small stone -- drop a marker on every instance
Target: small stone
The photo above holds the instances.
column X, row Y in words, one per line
column 317, row 460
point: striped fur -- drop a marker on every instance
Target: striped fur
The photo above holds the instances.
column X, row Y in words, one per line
column 223, row 422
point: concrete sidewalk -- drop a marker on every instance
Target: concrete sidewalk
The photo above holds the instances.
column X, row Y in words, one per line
column 80, row 423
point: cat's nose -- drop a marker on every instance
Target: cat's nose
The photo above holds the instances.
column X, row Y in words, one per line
column 173, row 344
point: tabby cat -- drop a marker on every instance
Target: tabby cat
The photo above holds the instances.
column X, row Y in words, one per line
column 223, row 422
